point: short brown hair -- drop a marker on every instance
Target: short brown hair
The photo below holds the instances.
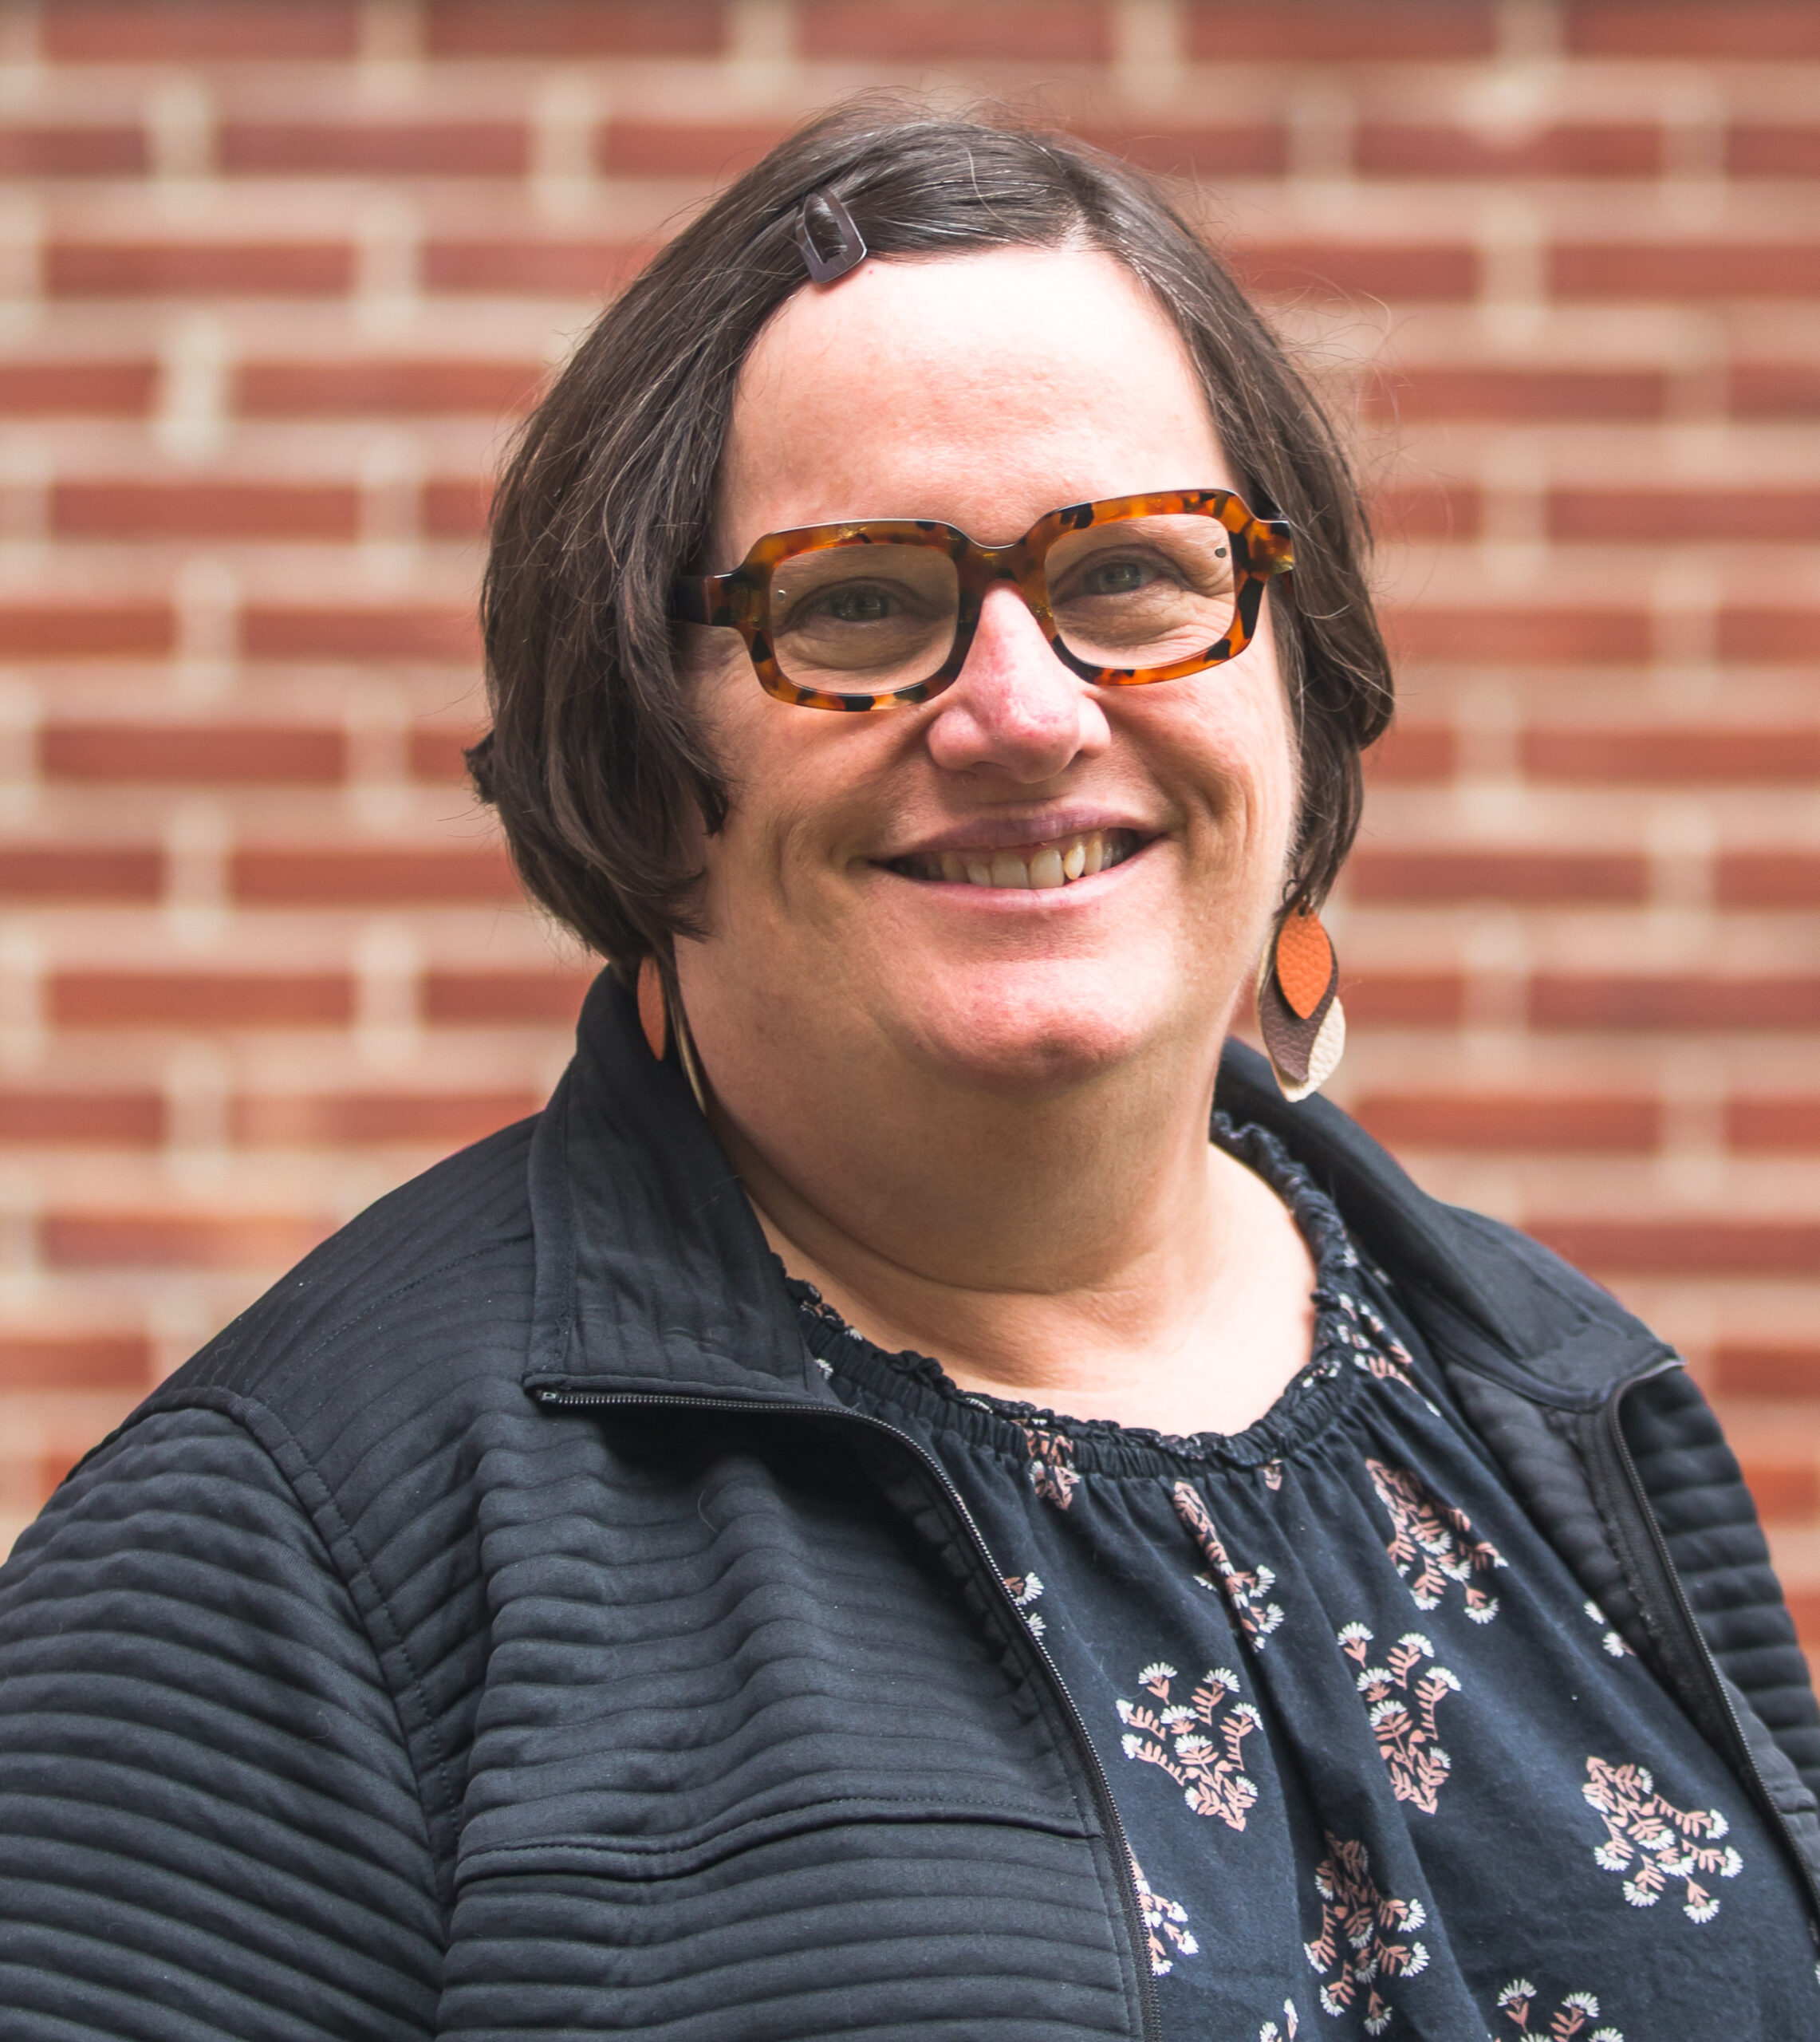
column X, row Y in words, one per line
column 594, row 755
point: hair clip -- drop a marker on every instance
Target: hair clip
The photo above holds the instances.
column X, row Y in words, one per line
column 849, row 247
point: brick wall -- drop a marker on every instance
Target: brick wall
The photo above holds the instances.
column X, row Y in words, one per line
column 277, row 276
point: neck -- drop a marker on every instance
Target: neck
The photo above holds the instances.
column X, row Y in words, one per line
column 1090, row 1250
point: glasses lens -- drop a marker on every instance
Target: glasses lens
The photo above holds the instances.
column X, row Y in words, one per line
column 862, row 620
column 1143, row 592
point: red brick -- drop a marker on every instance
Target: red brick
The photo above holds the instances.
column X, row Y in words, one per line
column 1776, row 29
column 1684, row 1247
column 1404, row 999
column 684, row 148
column 1679, row 753
column 1524, row 394
column 370, row 148
column 175, row 1240
column 201, row 1000
column 42, row 631
column 1402, row 272
column 1768, row 879
column 436, row 755
column 1511, row 1120
column 274, row 878
column 1763, row 1371
column 1773, row 1127
column 1329, row 31
column 75, row 1361
column 1528, row 635
column 1426, row 149
column 66, row 872
column 1677, row 270
column 1026, row 31
column 1774, row 636
column 275, row 269
column 1776, row 390
column 443, row 1120
column 1651, row 1001
column 113, row 1120
column 1770, row 150
column 1782, row 1494
column 1551, row 878
column 574, row 28
column 165, row 31
column 1413, row 754
column 1804, row 1607
column 463, row 998
column 1400, row 515
column 98, row 389
column 566, row 269
column 72, row 151
column 201, row 754
column 455, row 509
column 1235, row 148
column 262, row 510
column 442, row 636
column 331, row 389
column 1731, row 517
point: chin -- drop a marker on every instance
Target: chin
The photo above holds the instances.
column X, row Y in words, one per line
column 1032, row 1030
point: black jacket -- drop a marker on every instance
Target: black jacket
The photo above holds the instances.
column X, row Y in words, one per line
column 500, row 1630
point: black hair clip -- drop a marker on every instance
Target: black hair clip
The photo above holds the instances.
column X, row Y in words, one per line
column 849, row 249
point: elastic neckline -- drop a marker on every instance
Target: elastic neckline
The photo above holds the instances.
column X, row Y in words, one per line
column 1344, row 1324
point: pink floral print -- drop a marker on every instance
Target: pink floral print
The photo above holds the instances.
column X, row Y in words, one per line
column 1431, row 1543
column 1365, row 1936
column 1245, row 1591
column 1165, row 1926
column 1053, row 1474
column 1175, row 1736
column 1517, row 2001
column 1402, row 1715
column 1655, row 1842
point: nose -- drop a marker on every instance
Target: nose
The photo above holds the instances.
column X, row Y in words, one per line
column 1014, row 708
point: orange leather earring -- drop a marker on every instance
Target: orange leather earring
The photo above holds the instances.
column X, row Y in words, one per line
column 658, row 1006
column 1299, row 1014
column 652, row 1017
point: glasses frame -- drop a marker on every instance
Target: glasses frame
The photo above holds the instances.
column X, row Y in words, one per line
column 741, row 599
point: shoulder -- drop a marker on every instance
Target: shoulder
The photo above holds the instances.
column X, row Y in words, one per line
column 1485, row 1295
column 437, row 1276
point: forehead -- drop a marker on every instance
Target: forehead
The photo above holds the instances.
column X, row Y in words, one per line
column 983, row 389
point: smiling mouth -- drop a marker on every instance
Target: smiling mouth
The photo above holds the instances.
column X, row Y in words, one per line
column 1059, row 862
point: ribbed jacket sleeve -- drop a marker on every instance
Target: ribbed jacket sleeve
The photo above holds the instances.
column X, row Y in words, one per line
column 209, row 1826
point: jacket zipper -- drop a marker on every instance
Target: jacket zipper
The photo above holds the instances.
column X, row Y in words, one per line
column 1112, row 1824
column 1744, row 1760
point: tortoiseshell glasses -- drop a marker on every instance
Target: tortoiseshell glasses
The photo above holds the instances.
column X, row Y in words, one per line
column 1129, row 590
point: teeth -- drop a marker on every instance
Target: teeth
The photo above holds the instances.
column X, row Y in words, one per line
column 1052, row 865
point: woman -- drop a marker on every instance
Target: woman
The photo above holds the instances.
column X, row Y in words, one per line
column 571, row 1603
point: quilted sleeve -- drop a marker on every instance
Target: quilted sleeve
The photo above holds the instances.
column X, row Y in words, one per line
column 209, row 1827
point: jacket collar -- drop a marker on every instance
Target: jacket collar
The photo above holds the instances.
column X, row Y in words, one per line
column 653, row 1276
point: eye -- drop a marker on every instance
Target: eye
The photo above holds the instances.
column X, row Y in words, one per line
column 1116, row 578
column 858, row 605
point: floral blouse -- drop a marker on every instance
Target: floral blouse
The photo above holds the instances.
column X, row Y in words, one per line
column 1383, row 1770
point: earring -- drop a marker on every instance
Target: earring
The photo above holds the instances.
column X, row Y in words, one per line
column 651, row 1016
column 1299, row 1014
column 658, row 1002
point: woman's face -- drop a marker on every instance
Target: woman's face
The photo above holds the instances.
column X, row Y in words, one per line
column 982, row 391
